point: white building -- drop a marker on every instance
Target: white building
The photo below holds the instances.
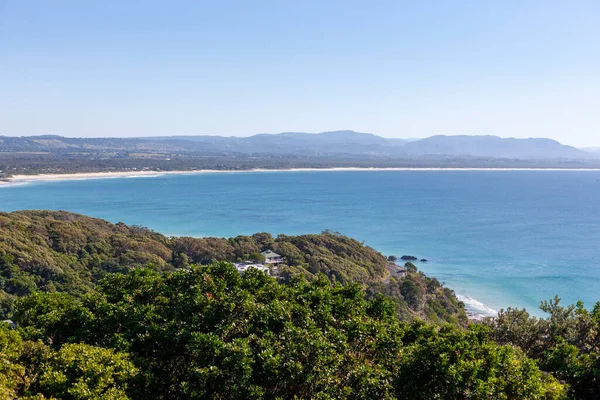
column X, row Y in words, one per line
column 272, row 258
column 243, row 267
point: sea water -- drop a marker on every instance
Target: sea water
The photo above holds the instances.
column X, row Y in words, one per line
column 498, row 238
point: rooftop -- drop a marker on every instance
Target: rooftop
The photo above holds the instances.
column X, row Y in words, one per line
column 270, row 253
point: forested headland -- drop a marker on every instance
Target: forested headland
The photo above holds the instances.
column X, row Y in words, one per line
column 110, row 311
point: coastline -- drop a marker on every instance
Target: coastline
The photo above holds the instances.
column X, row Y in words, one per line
column 476, row 309
column 135, row 174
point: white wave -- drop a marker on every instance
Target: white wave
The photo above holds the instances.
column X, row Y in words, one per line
column 13, row 184
column 476, row 307
column 141, row 176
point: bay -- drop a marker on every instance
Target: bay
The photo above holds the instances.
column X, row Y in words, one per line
column 498, row 238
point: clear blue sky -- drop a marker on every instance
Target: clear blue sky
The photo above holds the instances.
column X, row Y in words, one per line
column 517, row 68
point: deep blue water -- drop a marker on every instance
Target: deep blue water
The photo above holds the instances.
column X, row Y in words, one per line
column 503, row 238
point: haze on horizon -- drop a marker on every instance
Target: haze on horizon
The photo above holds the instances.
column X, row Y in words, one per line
column 396, row 69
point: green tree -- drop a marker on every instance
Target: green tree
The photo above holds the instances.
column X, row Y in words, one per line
column 31, row 370
column 209, row 332
column 566, row 343
column 83, row 372
column 256, row 257
column 12, row 373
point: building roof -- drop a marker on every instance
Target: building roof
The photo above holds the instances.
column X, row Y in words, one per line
column 270, row 253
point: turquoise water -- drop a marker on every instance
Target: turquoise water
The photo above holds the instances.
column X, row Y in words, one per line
column 498, row 238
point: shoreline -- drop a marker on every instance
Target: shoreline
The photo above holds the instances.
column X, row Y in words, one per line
column 476, row 310
column 16, row 179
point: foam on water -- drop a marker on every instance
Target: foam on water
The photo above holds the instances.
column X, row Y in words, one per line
column 476, row 308
column 6, row 185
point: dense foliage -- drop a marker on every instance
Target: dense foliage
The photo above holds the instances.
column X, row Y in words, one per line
column 566, row 343
column 339, row 257
column 59, row 251
column 209, row 332
column 33, row 370
column 64, row 252
column 418, row 295
column 109, row 311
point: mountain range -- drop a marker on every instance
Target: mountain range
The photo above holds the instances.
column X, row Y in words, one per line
column 308, row 144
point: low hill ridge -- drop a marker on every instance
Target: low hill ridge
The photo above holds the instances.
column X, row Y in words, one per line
column 50, row 251
column 346, row 142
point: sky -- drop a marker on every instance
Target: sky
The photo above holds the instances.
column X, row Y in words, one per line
column 404, row 69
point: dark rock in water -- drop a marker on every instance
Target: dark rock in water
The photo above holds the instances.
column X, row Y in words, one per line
column 409, row 258
column 423, row 260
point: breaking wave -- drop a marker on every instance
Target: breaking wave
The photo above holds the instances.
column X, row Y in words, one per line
column 477, row 308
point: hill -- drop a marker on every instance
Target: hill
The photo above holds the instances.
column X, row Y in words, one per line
column 50, row 154
column 296, row 143
column 339, row 142
column 44, row 251
column 493, row 146
column 593, row 150
column 304, row 145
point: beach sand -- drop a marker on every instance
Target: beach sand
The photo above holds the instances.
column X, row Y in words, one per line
column 15, row 179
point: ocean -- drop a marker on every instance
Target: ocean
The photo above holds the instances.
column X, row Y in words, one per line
column 498, row 238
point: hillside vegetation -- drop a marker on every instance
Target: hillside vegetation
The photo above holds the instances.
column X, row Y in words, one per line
column 566, row 343
column 109, row 311
column 47, row 251
column 418, row 295
column 211, row 333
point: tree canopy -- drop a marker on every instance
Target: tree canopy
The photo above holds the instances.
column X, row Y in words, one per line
column 110, row 311
column 209, row 332
column 566, row 343
column 57, row 251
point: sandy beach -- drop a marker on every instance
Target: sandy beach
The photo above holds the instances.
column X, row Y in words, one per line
column 18, row 179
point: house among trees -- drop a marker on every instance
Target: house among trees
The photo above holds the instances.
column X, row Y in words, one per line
column 242, row 267
column 272, row 258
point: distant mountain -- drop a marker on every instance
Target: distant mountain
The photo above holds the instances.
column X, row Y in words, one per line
column 54, row 143
column 350, row 142
column 336, row 142
column 492, row 146
column 306, row 145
